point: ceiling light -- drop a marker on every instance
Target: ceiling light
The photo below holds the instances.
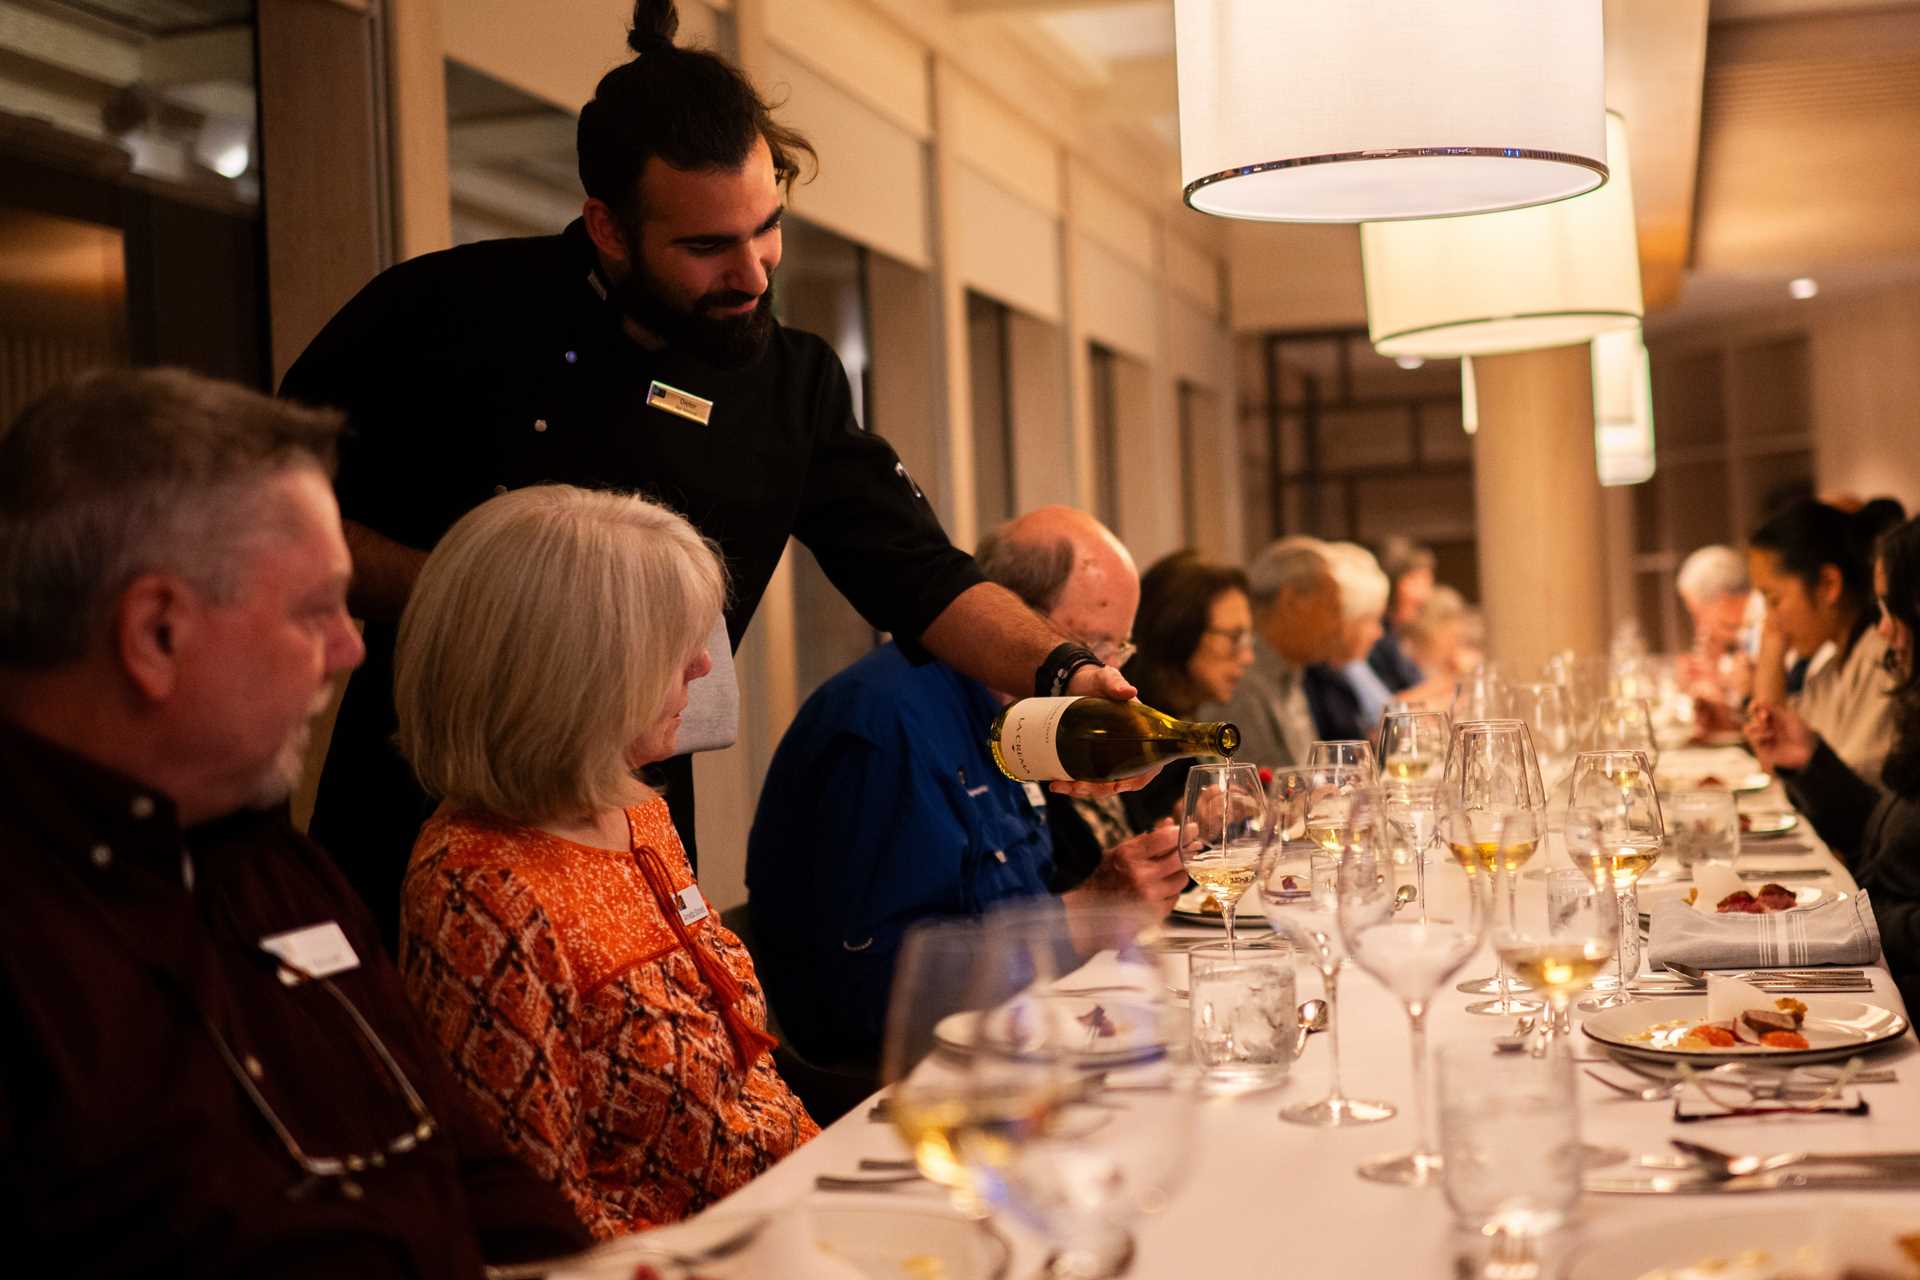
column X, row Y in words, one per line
column 1622, row 408
column 1353, row 112
column 1469, row 399
column 1803, row 288
column 1547, row 277
column 1410, row 362
column 232, row 161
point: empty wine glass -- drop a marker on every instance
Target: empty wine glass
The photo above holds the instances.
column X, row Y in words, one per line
column 1491, row 772
column 1588, row 682
column 1412, row 961
column 1413, row 745
column 1413, row 807
column 1350, row 752
column 1299, row 891
column 1047, row 1150
column 1615, row 832
column 1480, row 696
column 1223, row 831
column 1544, row 709
column 1624, row 724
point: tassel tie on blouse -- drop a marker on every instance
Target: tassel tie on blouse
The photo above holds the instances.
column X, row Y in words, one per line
column 749, row 1041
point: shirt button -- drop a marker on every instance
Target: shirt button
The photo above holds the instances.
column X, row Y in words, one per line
column 143, row 806
column 499, row 489
column 539, row 424
column 573, row 357
column 101, row 855
column 254, row 1069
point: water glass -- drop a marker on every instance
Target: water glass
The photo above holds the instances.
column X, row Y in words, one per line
column 1703, row 827
column 1243, row 1013
column 1509, row 1138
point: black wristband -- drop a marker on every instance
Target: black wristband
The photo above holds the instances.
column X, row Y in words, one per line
column 1050, row 681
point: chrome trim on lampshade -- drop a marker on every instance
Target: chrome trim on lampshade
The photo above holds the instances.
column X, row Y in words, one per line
column 1407, row 153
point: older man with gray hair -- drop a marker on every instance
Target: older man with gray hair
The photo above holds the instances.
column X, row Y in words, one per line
column 1297, row 621
column 1715, row 589
column 211, row 1068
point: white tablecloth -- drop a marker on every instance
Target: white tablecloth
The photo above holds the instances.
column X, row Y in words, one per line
column 1267, row 1198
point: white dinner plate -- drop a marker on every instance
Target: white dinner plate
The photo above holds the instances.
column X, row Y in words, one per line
column 1186, row 909
column 1835, row 1027
column 895, row 1241
column 1804, row 895
column 1135, row 1035
column 1740, row 782
column 1767, row 825
column 1832, row 1240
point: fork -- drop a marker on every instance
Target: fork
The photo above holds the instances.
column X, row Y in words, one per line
column 1652, row 1093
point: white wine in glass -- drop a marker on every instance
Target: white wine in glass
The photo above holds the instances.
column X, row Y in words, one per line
column 1224, row 828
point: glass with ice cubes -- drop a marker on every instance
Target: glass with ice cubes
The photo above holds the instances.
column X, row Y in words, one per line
column 1244, row 1019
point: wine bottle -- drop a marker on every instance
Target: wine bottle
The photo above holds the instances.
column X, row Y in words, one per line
column 1097, row 739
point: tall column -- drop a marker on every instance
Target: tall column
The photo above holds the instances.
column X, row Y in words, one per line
column 1543, row 547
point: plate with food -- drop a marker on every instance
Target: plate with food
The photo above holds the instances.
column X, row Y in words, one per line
column 1827, row 1243
column 1736, row 1022
column 1195, row 907
column 1738, row 781
column 1110, row 1029
column 1765, row 825
column 1754, row 900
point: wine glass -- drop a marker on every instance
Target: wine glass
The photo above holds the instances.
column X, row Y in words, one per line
column 1480, row 696
column 1544, row 709
column 1560, row 952
column 1349, row 752
column 1491, row 773
column 1413, row 745
column 1411, row 961
column 1615, row 832
column 1588, row 682
column 1326, row 803
column 1049, row 1151
column 1223, row 831
column 1413, row 806
column 1299, row 891
column 1625, row 724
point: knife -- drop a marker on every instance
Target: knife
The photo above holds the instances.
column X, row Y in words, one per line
column 1669, row 1182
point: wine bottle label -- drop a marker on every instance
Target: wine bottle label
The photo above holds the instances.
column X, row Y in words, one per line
column 1027, row 738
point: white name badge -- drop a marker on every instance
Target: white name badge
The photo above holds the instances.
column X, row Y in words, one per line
column 1036, row 795
column 682, row 404
column 317, row 951
column 692, row 905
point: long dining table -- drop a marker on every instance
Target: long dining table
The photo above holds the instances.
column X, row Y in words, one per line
column 1264, row 1197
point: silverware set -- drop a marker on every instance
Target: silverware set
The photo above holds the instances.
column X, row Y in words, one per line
column 1680, row 979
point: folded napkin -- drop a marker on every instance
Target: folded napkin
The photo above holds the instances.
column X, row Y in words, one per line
column 1839, row 932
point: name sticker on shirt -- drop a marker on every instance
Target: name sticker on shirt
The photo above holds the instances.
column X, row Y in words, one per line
column 1036, row 795
column 317, row 951
column 692, row 905
column 681, row 404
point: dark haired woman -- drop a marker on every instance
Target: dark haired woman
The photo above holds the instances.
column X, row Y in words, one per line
column 1875, row 830
column 1195, row 632
column 636, row 350
column 1812, row 565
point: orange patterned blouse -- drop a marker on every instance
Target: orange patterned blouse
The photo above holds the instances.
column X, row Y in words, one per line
column 583, row 1025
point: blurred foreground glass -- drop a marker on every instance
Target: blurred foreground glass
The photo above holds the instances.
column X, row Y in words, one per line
column 1243, row 1015
column 1559, row 953
column 1544, row 709
column 1703, row 828
column 1224, row 830
column 1352, row 752
column 1588, row 682
column 1480, row 696
column 1509, row 1137
column 930, row 1101
column 1412, row 808
column 1051, row 1152
column 1413, row 746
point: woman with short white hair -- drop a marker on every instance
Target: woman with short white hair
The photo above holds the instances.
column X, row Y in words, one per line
column 552, row 936
column 1347, row 697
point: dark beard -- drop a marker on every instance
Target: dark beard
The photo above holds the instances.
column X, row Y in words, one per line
column 725, row 342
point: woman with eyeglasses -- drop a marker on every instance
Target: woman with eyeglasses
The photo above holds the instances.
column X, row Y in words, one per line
column 1874, row 830
column 1194, row 629
column 553, row 939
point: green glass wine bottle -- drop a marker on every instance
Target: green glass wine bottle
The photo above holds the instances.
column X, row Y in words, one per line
column 1097, row 739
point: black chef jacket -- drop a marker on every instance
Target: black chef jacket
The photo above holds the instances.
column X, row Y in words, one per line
column 479, row 369
column 127, row 1147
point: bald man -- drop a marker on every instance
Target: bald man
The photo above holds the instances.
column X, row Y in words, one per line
column 882, row 806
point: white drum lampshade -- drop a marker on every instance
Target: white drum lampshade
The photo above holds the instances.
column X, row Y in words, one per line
column 1552, row 276
column 1369, row 110
column 1622, row 408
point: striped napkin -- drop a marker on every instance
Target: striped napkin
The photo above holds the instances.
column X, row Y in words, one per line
column 1839, row 932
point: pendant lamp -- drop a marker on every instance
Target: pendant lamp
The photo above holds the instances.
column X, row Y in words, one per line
column 1553, row 276
column 1469, row 398
column 1622, row 408
column 1370, row 110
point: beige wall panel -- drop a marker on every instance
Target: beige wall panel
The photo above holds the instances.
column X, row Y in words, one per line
column 417, row 112
column 1294, row 277
column 528, row 47
column 1038, row 400
column 1150, row 519
column 1193, row 275
column 1109, row 218
column 699, row 25
column 1119, row 303
column 860, row 51
column 903, row 391
column 1866, row 396
column 989, row 137
column 1195, row 344
column 872, row 183
column 1004, row 246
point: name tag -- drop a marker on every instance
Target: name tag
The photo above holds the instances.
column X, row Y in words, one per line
column 1036, row 795
column 317, row 951
column 692, row 906
column 681, row 404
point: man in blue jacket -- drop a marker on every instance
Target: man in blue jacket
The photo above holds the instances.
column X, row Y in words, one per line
column 883, row 807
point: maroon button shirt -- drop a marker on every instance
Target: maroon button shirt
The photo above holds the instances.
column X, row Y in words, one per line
column 127, row 1146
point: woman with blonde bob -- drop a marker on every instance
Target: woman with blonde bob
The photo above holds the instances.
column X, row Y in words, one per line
column 552, row 936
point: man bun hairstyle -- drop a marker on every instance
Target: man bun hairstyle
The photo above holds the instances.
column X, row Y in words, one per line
column 689, row 107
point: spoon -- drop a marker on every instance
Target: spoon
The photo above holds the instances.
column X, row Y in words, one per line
column 1721, row 1165
column 1405, row 894
column 1313, row 1017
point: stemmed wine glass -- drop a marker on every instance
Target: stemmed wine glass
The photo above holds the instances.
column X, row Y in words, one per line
column 1588, row 682
column 1224, row 829
column 1411, row 961
column 1356, row 753
column 1544, row 709
column 1615, row 832
column 1480, row 696
column 1413, row 764
column 1299, row 891
column 1560, row 952
column 1625, row 724
column 1491, row 774
column 1048, row 1151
